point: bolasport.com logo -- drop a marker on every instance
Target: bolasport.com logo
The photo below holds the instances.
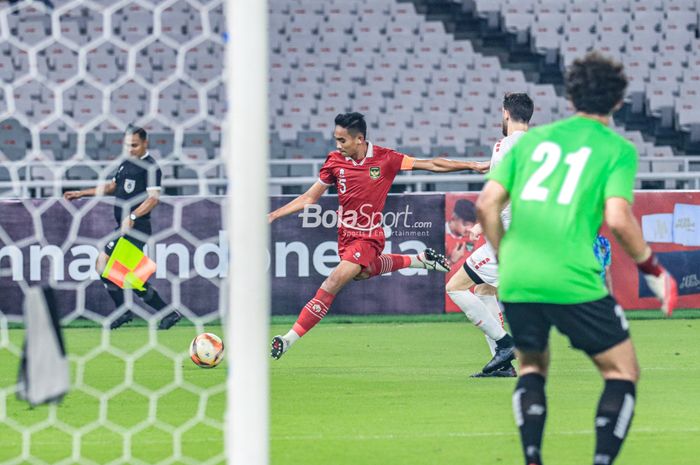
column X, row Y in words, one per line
column 399, row 223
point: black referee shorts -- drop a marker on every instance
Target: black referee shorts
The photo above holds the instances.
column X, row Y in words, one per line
column 592, row 327
column 143, row 227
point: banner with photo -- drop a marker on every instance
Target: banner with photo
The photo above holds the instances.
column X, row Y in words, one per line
column 303, row 252
column 60, row 243
column 460, row 217
column 671, row 225
column 189, row 245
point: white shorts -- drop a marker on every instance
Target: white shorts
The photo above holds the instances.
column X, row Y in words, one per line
column 482, row 264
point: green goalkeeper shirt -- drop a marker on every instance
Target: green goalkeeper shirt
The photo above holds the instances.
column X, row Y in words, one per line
column 558, row 177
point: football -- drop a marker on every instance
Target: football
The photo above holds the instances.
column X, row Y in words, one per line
column 207, row 350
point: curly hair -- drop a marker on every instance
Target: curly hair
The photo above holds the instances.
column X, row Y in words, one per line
column 595, row 84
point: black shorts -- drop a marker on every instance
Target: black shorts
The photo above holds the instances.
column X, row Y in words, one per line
column 476, row 279
column 139, row 240
column 592, row 327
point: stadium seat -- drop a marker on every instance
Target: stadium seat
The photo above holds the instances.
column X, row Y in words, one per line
column 81, row 172
column 194, row 155
column 217, row 21
column 468, row 129
column 409, row 95
column 187, row 173
column 452, row 137
column 313, row 143
column 614, row 6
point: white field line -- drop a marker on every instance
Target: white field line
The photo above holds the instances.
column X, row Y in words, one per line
column 464, row 434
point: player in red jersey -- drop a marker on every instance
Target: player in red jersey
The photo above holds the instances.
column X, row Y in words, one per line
column 362, row 173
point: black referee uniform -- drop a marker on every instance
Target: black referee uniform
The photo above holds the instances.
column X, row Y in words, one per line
column 134, row 178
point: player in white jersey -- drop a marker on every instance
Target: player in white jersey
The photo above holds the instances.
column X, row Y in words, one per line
column 481, row 268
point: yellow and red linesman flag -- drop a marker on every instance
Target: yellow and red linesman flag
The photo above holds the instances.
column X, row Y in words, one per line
column 128, row 267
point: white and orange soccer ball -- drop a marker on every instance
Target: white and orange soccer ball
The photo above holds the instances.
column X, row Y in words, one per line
column 207, row 350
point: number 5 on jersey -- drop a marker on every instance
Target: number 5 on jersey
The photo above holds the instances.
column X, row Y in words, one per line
column 550, row 154
column 342, row 187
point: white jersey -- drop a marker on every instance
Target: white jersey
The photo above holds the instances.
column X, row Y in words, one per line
column 500, row 149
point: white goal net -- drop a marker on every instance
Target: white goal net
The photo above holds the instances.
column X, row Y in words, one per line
column 73, row 75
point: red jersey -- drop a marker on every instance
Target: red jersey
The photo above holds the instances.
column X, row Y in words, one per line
column 363, row 187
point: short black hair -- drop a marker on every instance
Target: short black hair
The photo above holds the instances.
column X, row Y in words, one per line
column 139, row 131
column 595, row 84
column 354, row 122
column 465, row 210
column 519, row 105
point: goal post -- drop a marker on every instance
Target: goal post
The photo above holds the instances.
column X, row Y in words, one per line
column 246, row 151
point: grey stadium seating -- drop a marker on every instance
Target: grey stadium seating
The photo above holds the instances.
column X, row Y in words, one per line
column 421, row 88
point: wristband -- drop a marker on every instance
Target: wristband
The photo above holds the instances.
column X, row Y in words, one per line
column 651, row 266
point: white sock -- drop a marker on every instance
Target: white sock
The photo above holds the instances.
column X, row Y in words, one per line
column 478, row 314
column 492, row 344
column 291, row 337
column 491, row 303
column 416, row 262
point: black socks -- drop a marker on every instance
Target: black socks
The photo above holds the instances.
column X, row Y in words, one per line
column 613, row 418
column 530, row 409
column 148, row 295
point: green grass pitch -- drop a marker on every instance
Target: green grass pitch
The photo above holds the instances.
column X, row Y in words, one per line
column 369, row 393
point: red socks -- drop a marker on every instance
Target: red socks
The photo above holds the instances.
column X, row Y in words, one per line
column 314, row 310
column 387, row 263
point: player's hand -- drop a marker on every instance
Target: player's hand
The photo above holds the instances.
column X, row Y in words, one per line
column 475, row 231
column 270, row 218
column 482, row 166
column 661, row 283
column 72, row 195
column 127, row 224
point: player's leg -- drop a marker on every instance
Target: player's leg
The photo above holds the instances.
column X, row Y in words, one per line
column 600, row 329
column 316, row 308
column 620, row 369
column 614, row 355
column 487, row 294
column 530, row 329
column 429, row 259
column 458, row 289
column 149, row 295
column 115, row 292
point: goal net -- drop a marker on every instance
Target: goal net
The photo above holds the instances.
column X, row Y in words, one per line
column 74, row 74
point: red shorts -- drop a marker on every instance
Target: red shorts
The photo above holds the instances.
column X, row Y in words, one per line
column 359, row 249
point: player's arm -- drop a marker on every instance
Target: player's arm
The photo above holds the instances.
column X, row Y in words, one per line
column 104, row 189
column 444, row 165
column 145, row 208
column 491, row 201
column 149, row 204
column 309, row 197
column 625, row 228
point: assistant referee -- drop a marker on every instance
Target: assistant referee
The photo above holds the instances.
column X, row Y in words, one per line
column 136, row 185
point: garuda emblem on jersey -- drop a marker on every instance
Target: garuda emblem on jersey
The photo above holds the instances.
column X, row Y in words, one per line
column 129, row 185
column 374, row 172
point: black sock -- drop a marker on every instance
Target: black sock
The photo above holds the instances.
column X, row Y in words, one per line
column 151, row 297
column 530, row 409
column 115, row 292
column 505, row 341
column 613, row 418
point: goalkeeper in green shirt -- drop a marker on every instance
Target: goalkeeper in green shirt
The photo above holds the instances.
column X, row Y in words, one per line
column 562, row 180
